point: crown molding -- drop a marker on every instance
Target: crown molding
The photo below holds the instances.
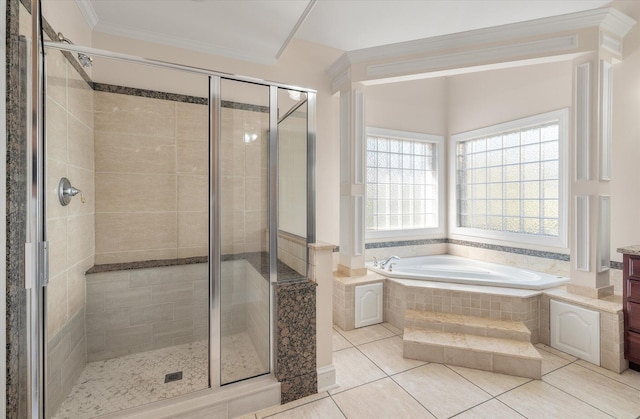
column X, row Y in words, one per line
column 88, row 12
column 609, row 19
column 476, row 57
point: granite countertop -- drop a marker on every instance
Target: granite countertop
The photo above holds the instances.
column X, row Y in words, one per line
column 630, row 250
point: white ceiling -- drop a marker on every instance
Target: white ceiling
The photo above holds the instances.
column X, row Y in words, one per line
column 259, row 30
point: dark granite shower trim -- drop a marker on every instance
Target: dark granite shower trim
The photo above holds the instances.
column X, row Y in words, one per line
column 16, row 355
column 111, row 267
column 259, row 261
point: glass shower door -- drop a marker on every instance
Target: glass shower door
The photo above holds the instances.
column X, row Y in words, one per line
column 127, row 305
column 244, row 222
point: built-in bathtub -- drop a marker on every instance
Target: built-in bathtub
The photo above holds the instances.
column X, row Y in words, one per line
column 459, row 270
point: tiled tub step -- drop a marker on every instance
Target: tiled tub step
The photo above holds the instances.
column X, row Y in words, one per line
column 506, row 356
column 458, row 323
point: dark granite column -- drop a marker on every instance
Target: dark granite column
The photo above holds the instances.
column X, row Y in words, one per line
column 15, row 220
column 296, row 339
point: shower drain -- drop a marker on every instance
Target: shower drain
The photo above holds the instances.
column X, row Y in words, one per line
column 174, row 376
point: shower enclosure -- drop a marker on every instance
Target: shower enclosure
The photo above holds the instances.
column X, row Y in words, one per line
column 189, row 194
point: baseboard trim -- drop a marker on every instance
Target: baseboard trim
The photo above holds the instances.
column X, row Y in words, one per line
column 327, row 378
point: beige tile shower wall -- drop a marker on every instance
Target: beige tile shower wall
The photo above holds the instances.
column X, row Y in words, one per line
column 142, row 309
column 151, row 178
column 257, row 309
column 70, row 229
column 292, row 250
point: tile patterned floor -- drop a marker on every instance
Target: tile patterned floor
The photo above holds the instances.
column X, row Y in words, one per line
column 376, row 382
column 138, row 379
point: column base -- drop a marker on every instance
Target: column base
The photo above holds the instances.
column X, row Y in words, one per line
column 347, row 271
column 589, row 292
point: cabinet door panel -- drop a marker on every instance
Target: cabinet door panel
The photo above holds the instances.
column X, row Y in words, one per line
column 633, row 316
column 632, row 348
column 633, row 290
column 634, row 268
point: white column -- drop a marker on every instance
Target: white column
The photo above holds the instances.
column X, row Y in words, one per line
column 590, row 202
column 320, row 271
column 352, row 182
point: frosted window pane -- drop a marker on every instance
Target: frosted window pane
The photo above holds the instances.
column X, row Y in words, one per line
column 395, row 192
column 512, row 173
column 550, row 189
column 372, row 175
column 495, row 190
column 407, row 162
column 495, row 207
column 530, row 136
column 479, row 175
column 550, row 170
column 531, row 208
column 494, row 223
column 512, row 208
column 512, row 155
column 383, row 191
column 494, row 158
column 383, row 175
column 511, row 140
column 479, row 145
column 407, row 176
column 494, row 143
column 550, row 151
column 531, row 226
column 531, row 153
column 551, row 227
column 395, row 161
column 531, row 171
column 494, row 174
column 383, row 160
column 531, row 190
column 371, row 159
column 371, row 191
column 396, row 175
column 550, row 208
column 550, row 132
column 512, row 190
column 512, row 224
column 479, row 160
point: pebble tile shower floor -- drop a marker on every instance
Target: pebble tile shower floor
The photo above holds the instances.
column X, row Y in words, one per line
column 138, row 379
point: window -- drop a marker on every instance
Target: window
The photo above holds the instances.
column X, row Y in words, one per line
column 511, row 180
column 403, row 185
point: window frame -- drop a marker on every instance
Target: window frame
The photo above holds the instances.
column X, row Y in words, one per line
column 440, row 173
column 559, row 242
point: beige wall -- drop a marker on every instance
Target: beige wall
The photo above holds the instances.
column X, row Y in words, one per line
column 625, row 192
column 477, row 100
column 416, row 106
